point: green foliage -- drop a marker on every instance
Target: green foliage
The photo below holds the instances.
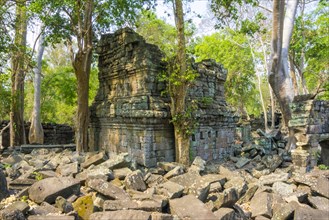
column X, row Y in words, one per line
column 58, row 88
column 158, row 32
column 232, row 50
column 311, row 38
column 323, row 167
column 5, row 95
column 186, row 122
column 38, row 176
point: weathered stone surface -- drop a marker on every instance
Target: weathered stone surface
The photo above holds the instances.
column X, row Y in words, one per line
column 48, row 189
column 63, row 205
column 261, row 204
column 242, row 162
column 322, row 187
column 189, row 207
column 302, row 213
column 94, row 160
column 121, row 173
column 176, row 171
column 68, row 169
column 198, row 165
column 113, row 205
column 95, row 172
column 152, row 180
column 84, row 206
column 161, row 216
column 121, row 215
column 135, row 181
column 272, row 161
column 44, row 209
column 283, row 189
column 170, row 189
column 248, row 195
column 282, row 211
column 319, row 202
column 107, row 189
column 21, row 207
column 51, row 217
column 3, row 186
column 274, row 177
column 225, row 214
column 130, row 115
column 227, row 198
column 12, row 214
column 238, row 183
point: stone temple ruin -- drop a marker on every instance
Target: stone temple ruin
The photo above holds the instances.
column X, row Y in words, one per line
column 129, row 114
column 310, row 122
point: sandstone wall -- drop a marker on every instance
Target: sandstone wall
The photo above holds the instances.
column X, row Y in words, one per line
column 129, row 114
column 53, row 133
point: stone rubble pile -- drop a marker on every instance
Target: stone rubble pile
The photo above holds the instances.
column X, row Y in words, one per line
column 50, row 184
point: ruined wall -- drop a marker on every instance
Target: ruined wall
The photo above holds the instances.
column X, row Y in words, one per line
column 216, row 122
column 53, row 133
column 129, row 114
column 310, row 121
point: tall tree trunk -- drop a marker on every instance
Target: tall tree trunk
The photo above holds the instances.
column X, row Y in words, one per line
column 269, row 86
column 279, row 76
column 36, row 134
column 82, row 65
column 178, row 92
column 293, row 76
column 260, row 89
column 82, row 117
column 17, row 130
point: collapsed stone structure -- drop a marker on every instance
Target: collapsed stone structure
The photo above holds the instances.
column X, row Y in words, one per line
column 129, row 113
column 310, row 122
column 53, row 133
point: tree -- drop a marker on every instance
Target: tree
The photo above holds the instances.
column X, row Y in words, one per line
column 36, row 131
column 18, row 69
column 279, row 76
column 76, row 22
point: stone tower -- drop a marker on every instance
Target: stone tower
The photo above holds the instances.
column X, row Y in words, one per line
column 129, row 114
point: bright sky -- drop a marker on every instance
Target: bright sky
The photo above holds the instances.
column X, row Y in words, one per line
column 204, row 25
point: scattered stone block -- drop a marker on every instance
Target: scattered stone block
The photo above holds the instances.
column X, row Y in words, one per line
column 135, row 181
column 227, row 198
column 282, row 211
column 84, row 206
column 225, row 214
column 70, row 169
column 242, row 161
column 3, row 185
column 283, row 189
column 63, row 205
column 170, row 190
column 121, row 215
column 51, row 217
column 302, row 213
column 248, row 195
column 189, row 207
column 176, row 171
column 319, row 202
column 161, row 216
column 322, row 187
column 261, row 204
column 94, row 160
column 48, row 189
column 273, row 177
column 107, row 189
column 152, row 180
column 121, row 173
